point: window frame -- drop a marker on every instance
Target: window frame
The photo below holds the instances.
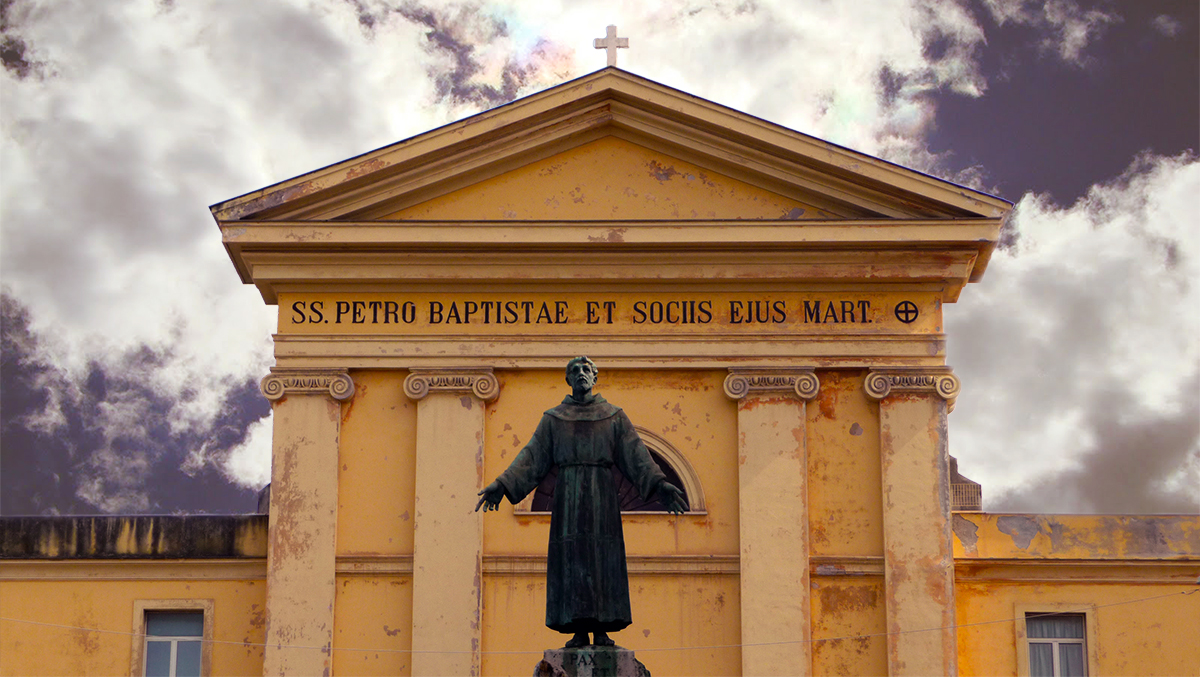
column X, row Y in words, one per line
column 1085, row 609
column 137, row 663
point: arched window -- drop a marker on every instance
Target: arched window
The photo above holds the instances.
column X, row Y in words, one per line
column 673, row 464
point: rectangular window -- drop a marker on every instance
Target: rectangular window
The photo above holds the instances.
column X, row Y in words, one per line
column 173, row 637
column 1056, row 644
column 173, row 643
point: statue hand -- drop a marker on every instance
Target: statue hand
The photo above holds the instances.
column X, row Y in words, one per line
column 672, row 497
column 492, row 495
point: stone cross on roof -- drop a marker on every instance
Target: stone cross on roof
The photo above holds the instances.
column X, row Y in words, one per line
column 611, row 42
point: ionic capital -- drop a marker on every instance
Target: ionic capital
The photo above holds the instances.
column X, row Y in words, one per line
column 335, row 383
column 477, row 381
column 798, row 381
column 933, row 380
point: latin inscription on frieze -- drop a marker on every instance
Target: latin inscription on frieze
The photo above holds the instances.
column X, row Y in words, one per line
column 580, row 313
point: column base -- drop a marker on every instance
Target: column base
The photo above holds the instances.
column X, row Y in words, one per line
column 590, row 661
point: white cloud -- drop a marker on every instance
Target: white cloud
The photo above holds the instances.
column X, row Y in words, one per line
column 1096, row 306
column 249, row 463
column 1068, row 28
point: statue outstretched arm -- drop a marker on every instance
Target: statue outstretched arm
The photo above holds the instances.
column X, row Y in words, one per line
column 492, row 494
column 672, row 497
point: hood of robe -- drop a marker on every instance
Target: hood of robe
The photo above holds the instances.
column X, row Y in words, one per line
column 595, row 409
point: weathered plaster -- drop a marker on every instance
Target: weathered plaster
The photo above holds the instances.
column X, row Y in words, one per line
column 919, row 567
column 448, row 533
column 773, row 504
column 303, row 535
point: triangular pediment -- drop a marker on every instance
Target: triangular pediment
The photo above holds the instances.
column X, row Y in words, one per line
column 609, row 178
column 644, row 137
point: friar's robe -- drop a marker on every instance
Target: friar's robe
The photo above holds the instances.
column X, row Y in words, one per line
column 587, row 585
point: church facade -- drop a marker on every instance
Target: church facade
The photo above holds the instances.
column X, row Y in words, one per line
column 767, row 309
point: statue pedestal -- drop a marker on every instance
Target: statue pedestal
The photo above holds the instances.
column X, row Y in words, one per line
column 590, row 661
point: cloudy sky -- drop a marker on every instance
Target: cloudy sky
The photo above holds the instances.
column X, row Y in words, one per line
column 131, row 352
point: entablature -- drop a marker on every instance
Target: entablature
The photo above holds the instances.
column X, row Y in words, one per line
column 277, row 255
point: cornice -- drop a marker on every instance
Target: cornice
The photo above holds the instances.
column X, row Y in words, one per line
column 949, row 267
column 745, row 381
column 477, row 381
column 134, row 570
column 284, row 381
column 882, row 382
column 1036, row 570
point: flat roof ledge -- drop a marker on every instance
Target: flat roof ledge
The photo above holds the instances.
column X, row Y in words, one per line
column 133, row 537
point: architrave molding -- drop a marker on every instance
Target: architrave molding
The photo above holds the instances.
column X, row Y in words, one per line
column 477, row 381
column 284, row 381
column 744, row 381
column 927, row 380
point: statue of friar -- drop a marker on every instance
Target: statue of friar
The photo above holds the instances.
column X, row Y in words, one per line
column 587, row 586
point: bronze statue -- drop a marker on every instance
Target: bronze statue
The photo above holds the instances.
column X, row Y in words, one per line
column 587, row 585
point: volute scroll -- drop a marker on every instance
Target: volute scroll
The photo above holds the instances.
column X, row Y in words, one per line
column 281, row 381
column 799, row 381
column 480, row 382
column 936, row 380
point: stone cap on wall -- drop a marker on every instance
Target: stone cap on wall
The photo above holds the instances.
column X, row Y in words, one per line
column 133, row 537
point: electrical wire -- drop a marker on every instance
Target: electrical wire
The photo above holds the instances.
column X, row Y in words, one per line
column 1081, row 609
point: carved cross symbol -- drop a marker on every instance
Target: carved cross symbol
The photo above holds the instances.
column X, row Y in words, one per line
column 906, row 312
column 611, row 43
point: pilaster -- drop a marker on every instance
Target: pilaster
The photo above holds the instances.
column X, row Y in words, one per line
column 773, row 514
column 303, row 518
column 918, row 555
column 448, row 533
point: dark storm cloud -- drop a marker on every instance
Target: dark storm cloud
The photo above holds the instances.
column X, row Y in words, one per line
column 108, row 443
column 16, row 53
column 454, row 34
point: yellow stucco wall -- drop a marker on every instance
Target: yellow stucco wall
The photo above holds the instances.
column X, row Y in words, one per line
column 610, row 178
column 377, row 467
column 844, row 490
column 682, row 624
column 1133, row 577
column 1133, row 637
column 26, row 649
column 997, row 536
column 848, row 625
column 372, row 621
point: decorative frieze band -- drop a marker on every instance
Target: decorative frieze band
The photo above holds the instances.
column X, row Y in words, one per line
column 333, row 382
column 800, row 381
column 480, row 382
column 882, row 382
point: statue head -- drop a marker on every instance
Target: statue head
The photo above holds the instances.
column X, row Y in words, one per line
column 581, row 375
